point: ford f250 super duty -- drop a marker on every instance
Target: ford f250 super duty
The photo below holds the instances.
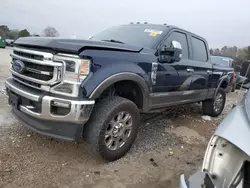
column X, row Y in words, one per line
column 96, row 89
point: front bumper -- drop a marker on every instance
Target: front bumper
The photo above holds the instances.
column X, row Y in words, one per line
column 54, row 129
column 44, row 113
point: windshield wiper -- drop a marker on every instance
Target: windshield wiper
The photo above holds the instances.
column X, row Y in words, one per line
column 112, row 40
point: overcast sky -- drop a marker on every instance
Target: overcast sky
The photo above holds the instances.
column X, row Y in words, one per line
column 221, row 22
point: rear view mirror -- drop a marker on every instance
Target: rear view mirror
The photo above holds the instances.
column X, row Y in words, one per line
column 175, row 44
column 170, row 54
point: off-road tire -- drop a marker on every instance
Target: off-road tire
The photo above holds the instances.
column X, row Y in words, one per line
column 208, row 105
column 94, row 130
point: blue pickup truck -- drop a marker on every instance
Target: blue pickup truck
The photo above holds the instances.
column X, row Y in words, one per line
column 95, row 90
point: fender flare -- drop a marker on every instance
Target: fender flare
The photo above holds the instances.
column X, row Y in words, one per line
column 224, row 78
column 124, row 76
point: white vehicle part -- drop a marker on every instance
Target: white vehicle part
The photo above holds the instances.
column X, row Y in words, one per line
column 236, row 129
column 183, row 182
column 223, row 162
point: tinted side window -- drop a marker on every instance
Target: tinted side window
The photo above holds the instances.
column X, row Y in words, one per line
column 199, row 50
column 182, row 39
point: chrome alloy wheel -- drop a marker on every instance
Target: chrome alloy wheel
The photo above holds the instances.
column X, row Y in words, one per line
column 218, row 102
column 118, row 130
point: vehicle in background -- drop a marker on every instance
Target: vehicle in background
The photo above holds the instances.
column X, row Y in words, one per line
column 237, row 70
column 9, row 42
column 96, row 89
column 227, row 62
column 226, row 162
column 2, row 42
column 243, row 74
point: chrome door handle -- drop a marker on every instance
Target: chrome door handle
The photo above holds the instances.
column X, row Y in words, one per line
column 209, row 71
column 190, row 70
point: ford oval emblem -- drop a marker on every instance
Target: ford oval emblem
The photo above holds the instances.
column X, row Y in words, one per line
column 18, row 66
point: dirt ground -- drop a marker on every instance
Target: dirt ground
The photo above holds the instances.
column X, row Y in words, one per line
column 168, row 144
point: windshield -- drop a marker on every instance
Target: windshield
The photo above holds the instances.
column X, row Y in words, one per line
column 220, row 61
column 137, row 35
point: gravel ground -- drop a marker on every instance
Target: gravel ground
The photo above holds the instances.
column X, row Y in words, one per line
column 168, row 144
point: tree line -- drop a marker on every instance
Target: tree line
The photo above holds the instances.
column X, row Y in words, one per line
column 14, row 34
column 238, row 54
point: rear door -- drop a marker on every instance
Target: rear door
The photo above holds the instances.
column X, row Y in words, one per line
column 202, row 67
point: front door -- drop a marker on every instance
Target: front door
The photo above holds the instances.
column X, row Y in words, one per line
column 174, row 79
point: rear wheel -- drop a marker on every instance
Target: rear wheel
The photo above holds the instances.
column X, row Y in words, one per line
column 112, row 128
column 214, row 107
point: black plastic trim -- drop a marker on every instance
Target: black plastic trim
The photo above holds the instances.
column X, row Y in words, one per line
column 58, row 130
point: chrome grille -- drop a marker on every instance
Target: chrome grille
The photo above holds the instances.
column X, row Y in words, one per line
column 27, row 82
column 40, row 71
column 28, row 55
column 30, row 65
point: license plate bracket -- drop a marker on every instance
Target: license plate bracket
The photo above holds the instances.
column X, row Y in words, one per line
column 14, row 100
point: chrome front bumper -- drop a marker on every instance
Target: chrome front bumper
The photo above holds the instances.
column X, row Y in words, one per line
column 79, row 111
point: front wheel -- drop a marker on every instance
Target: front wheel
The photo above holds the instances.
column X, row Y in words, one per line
column 112, row 128
column 214, row 107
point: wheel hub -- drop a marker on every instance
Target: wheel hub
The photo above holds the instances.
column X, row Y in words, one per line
column 218, row 102
column 118, row 130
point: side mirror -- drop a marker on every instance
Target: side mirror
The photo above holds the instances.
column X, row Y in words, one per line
column 170, row 54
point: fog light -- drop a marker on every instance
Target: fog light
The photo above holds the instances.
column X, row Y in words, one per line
column 64, row 88
column 60, row 104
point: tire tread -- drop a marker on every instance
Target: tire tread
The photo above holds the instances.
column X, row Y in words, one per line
column 93, row 128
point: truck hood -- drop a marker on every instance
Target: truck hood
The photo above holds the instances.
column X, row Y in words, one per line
column 72, row 45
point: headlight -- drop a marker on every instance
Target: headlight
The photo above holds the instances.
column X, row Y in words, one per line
column 70, row 66
column 75, row 71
